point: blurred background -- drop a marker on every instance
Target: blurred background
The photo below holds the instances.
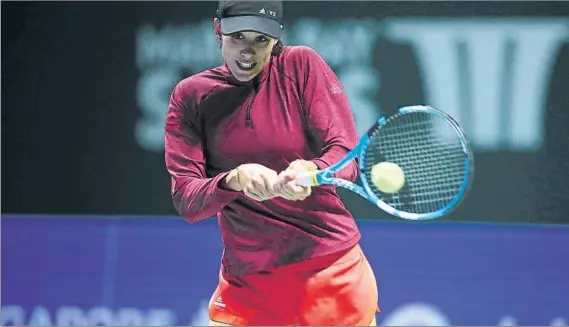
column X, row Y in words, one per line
column 89, row 232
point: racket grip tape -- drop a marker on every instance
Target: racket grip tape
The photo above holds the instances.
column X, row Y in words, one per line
column 307, row 179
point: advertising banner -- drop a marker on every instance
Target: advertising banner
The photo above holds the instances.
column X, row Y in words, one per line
column 162, row 271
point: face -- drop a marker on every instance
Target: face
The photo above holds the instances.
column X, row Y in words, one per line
column 246, row 53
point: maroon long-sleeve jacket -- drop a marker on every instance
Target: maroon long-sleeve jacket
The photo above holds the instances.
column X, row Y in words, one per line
column 294, row 109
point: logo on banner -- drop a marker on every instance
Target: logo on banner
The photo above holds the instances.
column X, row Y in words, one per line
column 492, row 75
column 70, row 315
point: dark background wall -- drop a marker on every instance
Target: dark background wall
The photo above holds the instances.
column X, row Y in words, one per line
column 85, row 87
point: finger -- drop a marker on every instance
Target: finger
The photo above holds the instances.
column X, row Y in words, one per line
column 282, row 190
column 286, row 176
column 266, row 186
column 286, row 188
column 296, row 166
column 294, row 188
column 306, row 192
column 288, row 185
column 300, row 192
column 244, row 179
column 270, row 182
column 259, row 187
column 252, row 193
column 255, row 195
column 287, row 195
column 255, row 187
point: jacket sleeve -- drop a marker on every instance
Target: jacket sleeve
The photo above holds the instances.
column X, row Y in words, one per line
column 195, row 196
column 329, row 115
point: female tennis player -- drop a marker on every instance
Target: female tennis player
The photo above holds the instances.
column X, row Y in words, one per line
column 236, row 137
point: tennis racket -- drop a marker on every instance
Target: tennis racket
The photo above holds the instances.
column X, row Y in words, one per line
column 431, row 149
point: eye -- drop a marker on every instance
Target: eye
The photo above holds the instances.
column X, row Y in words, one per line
column 261, row 39
column 238, row 36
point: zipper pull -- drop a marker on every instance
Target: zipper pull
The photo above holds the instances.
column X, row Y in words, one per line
column 248, row 120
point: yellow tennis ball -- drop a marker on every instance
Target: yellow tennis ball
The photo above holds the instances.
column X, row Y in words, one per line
column 387, row 177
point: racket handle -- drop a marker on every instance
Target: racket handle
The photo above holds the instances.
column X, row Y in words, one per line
column 307, row 179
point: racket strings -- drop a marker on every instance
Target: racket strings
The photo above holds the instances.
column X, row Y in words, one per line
column 430, row 153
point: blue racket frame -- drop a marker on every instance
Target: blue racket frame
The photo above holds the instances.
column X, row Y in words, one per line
column 326, row 176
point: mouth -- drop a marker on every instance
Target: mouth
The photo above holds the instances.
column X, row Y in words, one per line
column 245, row 66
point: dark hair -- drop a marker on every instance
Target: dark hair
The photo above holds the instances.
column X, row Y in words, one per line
column 277, row 48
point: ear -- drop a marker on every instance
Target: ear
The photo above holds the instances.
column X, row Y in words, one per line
column 217, row 29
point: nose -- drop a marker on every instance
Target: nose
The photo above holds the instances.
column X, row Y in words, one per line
column 247, row 53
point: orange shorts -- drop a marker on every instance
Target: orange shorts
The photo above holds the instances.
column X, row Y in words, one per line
column 336, row 289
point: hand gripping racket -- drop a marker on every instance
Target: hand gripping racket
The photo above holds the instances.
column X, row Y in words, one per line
column 431, row 149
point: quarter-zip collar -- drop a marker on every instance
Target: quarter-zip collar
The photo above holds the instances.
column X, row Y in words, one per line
column 256, row 83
